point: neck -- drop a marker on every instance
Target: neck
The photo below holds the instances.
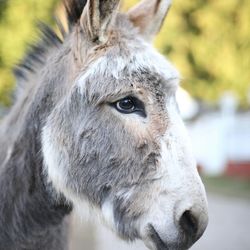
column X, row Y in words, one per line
column 31, row 213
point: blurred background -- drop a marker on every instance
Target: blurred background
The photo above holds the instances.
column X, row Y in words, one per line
column 209, row 42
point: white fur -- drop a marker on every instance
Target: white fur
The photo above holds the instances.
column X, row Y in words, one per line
column 108, row 214
column 54, row 162
column 144, row 57
column 9, row 152
column 179, row 188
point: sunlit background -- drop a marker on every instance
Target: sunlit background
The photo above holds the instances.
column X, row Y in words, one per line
column 209, row 42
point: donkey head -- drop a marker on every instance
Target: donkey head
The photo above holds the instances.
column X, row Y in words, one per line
column 116, row 141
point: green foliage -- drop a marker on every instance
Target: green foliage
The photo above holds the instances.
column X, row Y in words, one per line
column 208, row 41
column 18, row 28
column 230, row 186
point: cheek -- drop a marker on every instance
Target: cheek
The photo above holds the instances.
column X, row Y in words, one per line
column 55, row 159
column 133, row 126
column 138, row 132
column 86, row 156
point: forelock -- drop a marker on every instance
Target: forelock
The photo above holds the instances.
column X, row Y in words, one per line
column 128, row 59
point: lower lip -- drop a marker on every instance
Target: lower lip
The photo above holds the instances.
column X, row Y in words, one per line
column 157, row 239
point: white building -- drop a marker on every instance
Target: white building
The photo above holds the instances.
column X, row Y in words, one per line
column 219, row 137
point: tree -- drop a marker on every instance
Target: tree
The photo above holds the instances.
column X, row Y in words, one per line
column 209, row 41
column 17, row 29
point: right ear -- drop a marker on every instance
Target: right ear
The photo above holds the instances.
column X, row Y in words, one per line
column 97, row 17
column 148, row 16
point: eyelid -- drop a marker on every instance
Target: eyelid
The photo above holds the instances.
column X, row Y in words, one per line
column 119, row 96
column 140, row 107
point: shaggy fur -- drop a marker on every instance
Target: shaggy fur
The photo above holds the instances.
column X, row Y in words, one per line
column 65, row 143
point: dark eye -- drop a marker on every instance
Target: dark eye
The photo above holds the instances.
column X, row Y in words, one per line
column 126, row 105
column 130, row 105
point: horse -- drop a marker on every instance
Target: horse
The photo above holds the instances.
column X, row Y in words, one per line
column 95, row 124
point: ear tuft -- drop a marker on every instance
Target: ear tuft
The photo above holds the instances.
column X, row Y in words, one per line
column 97, row 17
column 74, row 9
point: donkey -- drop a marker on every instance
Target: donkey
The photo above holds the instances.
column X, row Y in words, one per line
column 96, row 123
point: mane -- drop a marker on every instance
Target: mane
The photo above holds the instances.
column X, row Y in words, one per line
column 49, row 39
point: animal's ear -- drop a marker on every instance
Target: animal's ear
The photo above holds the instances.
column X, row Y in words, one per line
column 97, row 17
column 149, row 15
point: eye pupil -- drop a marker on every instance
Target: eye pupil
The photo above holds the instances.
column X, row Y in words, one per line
column 126, row 104
column 129, row 105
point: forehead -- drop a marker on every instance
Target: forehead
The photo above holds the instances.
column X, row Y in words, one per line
column 128, row 64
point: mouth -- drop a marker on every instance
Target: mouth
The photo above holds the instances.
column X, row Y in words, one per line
column 154, row 236
column 163, row 245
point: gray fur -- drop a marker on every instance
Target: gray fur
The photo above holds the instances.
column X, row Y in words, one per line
column 61, row 124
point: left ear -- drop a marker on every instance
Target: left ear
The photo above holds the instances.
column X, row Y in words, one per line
column 149, row 16
column 97, row 17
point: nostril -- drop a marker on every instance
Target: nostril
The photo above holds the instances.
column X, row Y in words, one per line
column 189, row 223
column 191, row 220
